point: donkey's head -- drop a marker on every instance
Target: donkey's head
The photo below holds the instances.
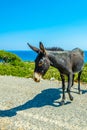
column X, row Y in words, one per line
column 42, row 63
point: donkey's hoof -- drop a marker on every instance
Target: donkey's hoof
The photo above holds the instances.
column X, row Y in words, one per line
column 62, row 102
column 71, row 98
column 79, row 92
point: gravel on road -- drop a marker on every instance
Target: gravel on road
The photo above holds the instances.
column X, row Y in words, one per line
column 27, row 105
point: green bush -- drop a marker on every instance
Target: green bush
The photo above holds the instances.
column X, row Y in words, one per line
column 26, row 69
column 84, row 74
column 7, row 57
column 16, row 67
column 12, row 65
column 20, row 70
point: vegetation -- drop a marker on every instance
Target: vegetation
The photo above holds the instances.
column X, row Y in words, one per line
column 12, row 65
column 8, row 57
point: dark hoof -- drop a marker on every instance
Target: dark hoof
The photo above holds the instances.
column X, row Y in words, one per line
column 62, row 102
column 79, row 92
column 71, row 98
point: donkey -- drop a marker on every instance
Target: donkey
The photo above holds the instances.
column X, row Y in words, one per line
column 67, row 62
column 79, row 74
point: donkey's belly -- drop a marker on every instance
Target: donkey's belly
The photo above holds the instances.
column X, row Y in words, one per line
column 77, row 68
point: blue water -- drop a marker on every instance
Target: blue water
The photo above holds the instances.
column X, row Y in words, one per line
column 31, row 55
column 25, row 55
column 85, row 56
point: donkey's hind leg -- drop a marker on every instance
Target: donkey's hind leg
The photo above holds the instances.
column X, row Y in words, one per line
column 79, row 75
column 70, row 77
column 73, row 79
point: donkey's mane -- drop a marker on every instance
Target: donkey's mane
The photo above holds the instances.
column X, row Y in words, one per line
column 54, row 49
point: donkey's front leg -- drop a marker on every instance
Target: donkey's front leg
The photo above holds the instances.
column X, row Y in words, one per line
column 69, row 86
column 63, row 88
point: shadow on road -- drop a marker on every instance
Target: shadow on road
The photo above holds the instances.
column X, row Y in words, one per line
column 84, row 91
column 46, row 97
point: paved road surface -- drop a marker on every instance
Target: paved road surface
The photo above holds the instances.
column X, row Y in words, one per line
column 26, row 105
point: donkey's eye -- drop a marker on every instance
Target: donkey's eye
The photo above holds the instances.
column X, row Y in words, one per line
column 40, row 63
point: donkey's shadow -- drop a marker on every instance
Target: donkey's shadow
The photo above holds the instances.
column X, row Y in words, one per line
column 46, row 97
column 84, row 91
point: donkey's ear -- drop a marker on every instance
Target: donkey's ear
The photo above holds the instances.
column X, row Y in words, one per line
column 33, row 48
column 42, row 49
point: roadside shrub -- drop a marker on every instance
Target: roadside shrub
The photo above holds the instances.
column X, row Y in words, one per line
column 84, row 74
column 16, row 67
column 7, row 57
column 20, row 70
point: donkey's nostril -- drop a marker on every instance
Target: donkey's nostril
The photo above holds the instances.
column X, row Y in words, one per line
column 37, row 77
column 36, row 80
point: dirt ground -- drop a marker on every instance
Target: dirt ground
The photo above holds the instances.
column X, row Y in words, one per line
column 27, row 105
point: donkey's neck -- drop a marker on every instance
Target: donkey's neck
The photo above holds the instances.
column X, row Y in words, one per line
column 53, row 57
column 52, row 60
column 57, row 58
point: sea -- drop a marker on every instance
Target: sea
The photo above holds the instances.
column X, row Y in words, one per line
column 27, row 55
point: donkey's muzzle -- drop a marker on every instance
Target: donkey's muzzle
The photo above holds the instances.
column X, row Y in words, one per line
column 37, row 77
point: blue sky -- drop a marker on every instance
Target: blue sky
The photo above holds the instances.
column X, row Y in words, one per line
column 61, row 23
